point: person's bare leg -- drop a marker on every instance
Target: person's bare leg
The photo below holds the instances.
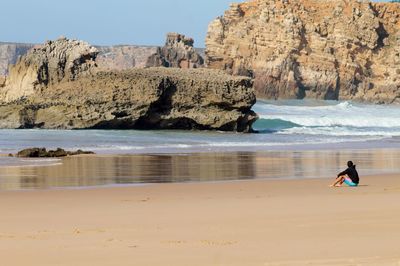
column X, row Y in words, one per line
column 338, row 182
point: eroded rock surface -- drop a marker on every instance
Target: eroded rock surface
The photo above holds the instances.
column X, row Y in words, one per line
column 178, row 52
column 43, row 153
column 9, row 54
column 78, row 94
column 46, row 65
column 123, row 57
column 343, row 49
column 2, row 81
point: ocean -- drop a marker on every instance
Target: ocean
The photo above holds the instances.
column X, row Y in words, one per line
column 283, row 125
column 294, row 139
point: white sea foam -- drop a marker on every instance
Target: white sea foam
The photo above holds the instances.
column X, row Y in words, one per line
column 27, row 162
column 228, row 145
column 41, row 160
column 339, row 131
column 342, row 114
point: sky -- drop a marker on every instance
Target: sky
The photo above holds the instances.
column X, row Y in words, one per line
column 105, row 22
column 108, row 22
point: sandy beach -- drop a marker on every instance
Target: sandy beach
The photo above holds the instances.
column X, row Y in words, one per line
column 255, row 222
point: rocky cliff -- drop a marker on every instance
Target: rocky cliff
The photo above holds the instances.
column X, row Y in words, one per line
column 122, row 57
column 118, row 57
column 52, row 63
column 341, row 49
column 178, row 52
column 9, row 54
column 58, row 86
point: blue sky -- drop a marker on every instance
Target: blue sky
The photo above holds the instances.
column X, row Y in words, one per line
column 106, row 22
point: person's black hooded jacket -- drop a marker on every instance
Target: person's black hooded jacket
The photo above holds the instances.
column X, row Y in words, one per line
column 352, row 173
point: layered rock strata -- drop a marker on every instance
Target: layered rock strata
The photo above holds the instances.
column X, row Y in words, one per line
column 66, row 90
column 178, row 52
column 342, row 49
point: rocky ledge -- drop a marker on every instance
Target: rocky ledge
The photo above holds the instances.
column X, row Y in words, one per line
column 333, row 50
column 59, row 86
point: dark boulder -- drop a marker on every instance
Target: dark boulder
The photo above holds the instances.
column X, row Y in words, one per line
column 44, row 153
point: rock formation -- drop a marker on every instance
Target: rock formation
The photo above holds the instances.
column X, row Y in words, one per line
column 342, row 49
column 178, row 51
column 52, row 63
column 2, row 81
column 9, row 54
column 59, row 87
column 44, row 153
column 122, row 57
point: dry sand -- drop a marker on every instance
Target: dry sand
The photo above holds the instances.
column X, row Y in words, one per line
column 267, row 222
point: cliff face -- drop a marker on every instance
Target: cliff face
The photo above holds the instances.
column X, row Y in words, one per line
column 342, row 49
column 122, row 57
column 119, row 57
column 178, row 52
column 9, row 53
column 58, row 86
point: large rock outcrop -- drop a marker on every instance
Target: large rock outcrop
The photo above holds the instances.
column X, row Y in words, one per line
column 52, row 63
column 68, row 91
column 178, row 52
column 342, row 49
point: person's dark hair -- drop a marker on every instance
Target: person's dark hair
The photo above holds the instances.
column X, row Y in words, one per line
column 350, row 164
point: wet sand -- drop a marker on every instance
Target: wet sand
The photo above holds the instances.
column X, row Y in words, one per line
column 110, row 170
column 253, row 222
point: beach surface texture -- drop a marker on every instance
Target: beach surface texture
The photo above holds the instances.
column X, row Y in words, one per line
column 256, row 222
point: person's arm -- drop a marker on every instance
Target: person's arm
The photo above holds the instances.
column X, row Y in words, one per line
column 345, row 172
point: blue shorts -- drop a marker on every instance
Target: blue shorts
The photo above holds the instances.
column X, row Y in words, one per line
column 350, row 183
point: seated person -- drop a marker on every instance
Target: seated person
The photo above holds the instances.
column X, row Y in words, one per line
column 348, row 176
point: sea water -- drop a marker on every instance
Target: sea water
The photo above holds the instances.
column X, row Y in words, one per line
column 294, row 139
column 282, row 125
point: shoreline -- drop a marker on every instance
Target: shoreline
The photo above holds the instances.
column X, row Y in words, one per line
column 261, row 222
column 104, row 170
column 376, row 143
column 328, row 181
